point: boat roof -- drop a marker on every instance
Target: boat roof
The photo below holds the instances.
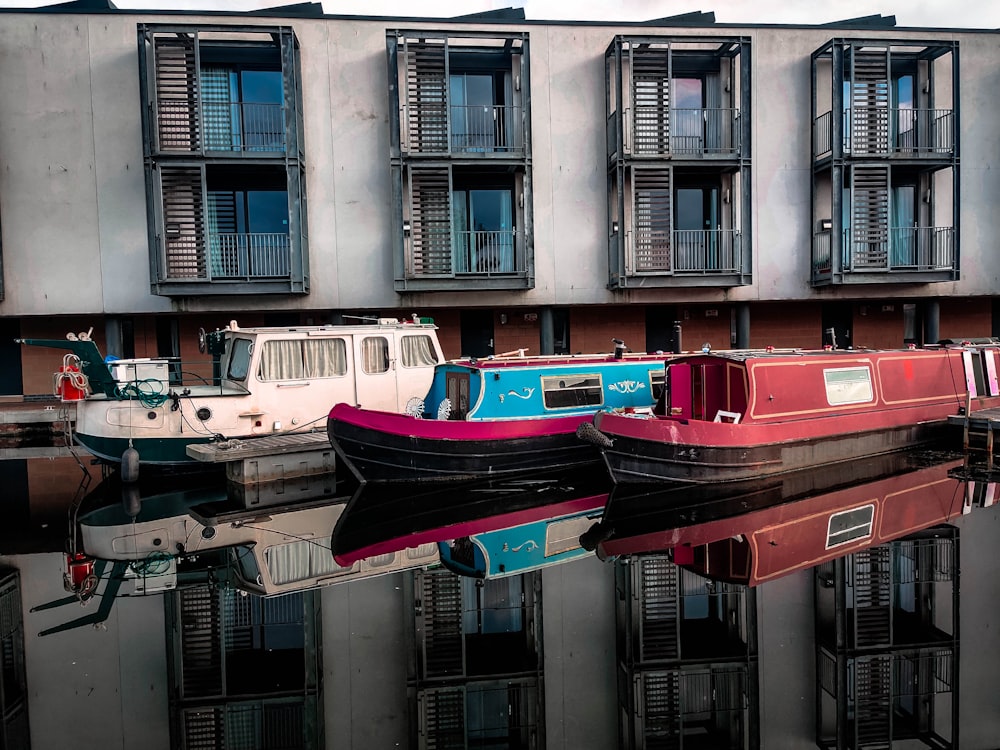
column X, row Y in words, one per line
column 773, row 353
column 501, row 362
column 380, row 324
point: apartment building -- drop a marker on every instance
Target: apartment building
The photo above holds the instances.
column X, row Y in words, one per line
column 546, row 185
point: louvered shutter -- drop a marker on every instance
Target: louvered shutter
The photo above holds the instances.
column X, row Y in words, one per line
column 872, row 600
column 660, row 712
column 442, row 719
column 869, row 102
column 426, row 95
column 176, row 96
column 201, row 643
column 658, row 609
column 430, row 222
column 650, row 100
column 870, row 217
column 651, row 217
column 873, row 702
column 439, row 624
column 183, row 231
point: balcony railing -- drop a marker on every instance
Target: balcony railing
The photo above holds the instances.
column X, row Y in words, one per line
column 683, row 252
column 901, row 249
column 227, row 126
column 468, row 129
column 249, row 256
column 481, row 129
column 466, row 253
column 658, row 130
column 876, row 131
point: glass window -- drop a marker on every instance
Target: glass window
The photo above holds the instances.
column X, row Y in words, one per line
column 850, row 525
column 570, row 391
column 239, row 359
column 418, row 351
column 848, row 385
column 375, row 354
column 656, row 381
column 308, row 358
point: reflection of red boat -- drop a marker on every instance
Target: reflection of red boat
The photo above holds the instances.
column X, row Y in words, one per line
column 740, row 415
column 789, row 525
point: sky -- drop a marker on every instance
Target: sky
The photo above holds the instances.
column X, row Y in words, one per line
column 973, row 14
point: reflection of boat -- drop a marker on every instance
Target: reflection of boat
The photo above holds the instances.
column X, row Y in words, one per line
column 495, row 417
column 542, row 508
column 269, row 381
column 792, row 522
column 265, row 551
column 739, row 415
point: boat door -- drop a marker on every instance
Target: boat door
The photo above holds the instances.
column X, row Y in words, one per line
column 375, row 371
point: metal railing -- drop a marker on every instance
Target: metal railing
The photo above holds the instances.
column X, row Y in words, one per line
column 249, row 256
column 225, row 126
column 687, row 252
column 900, row 249
column 436, row 127
column 486, row 252
column 871, row 131
column 484, row 128
column 689, row 132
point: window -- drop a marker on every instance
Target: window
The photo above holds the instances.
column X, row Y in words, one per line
column 850, row 525
column 483, row 236
column 243, row 109
column 657, row 380
column 300, row 561
column 239, row 359
column 571, row 391
column 374, row 354
column 247, row 230
column 848, row 385
column 417, row 351
column 299, row 359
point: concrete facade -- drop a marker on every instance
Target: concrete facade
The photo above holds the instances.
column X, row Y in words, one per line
column 73, row 207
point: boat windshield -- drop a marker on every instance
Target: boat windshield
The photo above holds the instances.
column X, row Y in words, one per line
column 239, row 359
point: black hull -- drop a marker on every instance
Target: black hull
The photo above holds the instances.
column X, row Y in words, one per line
column 380, row 457
column 641, row 461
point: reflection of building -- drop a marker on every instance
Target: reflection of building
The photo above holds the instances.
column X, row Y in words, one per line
column 760, row 185
column 14, row 731
column 687, row 658
column 887, row 644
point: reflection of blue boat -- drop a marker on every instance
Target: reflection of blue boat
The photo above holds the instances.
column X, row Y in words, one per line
column 526, row 546
column 495, row 417
column 545, row 508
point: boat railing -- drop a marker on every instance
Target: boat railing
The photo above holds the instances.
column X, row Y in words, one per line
column 152, row 380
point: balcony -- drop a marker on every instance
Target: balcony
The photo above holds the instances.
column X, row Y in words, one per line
column 900, row 250
column 247, row 257
column 880, row 131
column 470, row 129
column 244, row 127
column 683, row 252
column 480, row 254
column 663, row 131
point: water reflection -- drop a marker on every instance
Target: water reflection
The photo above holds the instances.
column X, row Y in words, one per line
column 504, row 614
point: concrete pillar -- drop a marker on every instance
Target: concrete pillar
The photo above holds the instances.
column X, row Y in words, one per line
column 546, row 332
column 743, row 326
column 932, row 322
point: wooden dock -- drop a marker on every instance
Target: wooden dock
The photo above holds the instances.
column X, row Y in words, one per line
column 978, row 444
column 269, row 458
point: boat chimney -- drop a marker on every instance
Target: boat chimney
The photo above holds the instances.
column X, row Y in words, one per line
column 675, row 339
column 619, row 348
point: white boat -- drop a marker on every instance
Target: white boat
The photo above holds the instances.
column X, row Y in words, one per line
column 268, row 381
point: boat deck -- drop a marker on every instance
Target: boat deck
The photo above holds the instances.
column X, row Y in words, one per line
column 978, row 444
column 266, row 445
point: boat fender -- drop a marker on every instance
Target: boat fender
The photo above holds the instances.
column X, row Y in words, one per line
column 131, row 500
column 588, row 433
column 130, row 465
column 594, row 536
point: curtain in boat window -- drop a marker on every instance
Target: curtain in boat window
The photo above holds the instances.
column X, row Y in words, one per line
column 281, row 360
column 417, row 351
column 297, row 561
column 375, row 354
column 324, row 358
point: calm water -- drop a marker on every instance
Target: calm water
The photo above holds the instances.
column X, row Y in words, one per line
column 694, row 614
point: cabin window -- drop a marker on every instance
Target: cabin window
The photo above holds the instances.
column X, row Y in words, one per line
column 848, row 385
column 375, row 354
column 850, row 525
column 569, row 391
column 301, row 359
column 422, row 551
column 239, row 359
column 301, row 560
column 564, row 536
column 657, row 378
column 417, row 351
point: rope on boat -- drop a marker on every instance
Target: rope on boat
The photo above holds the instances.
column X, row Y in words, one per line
column 149, row 393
